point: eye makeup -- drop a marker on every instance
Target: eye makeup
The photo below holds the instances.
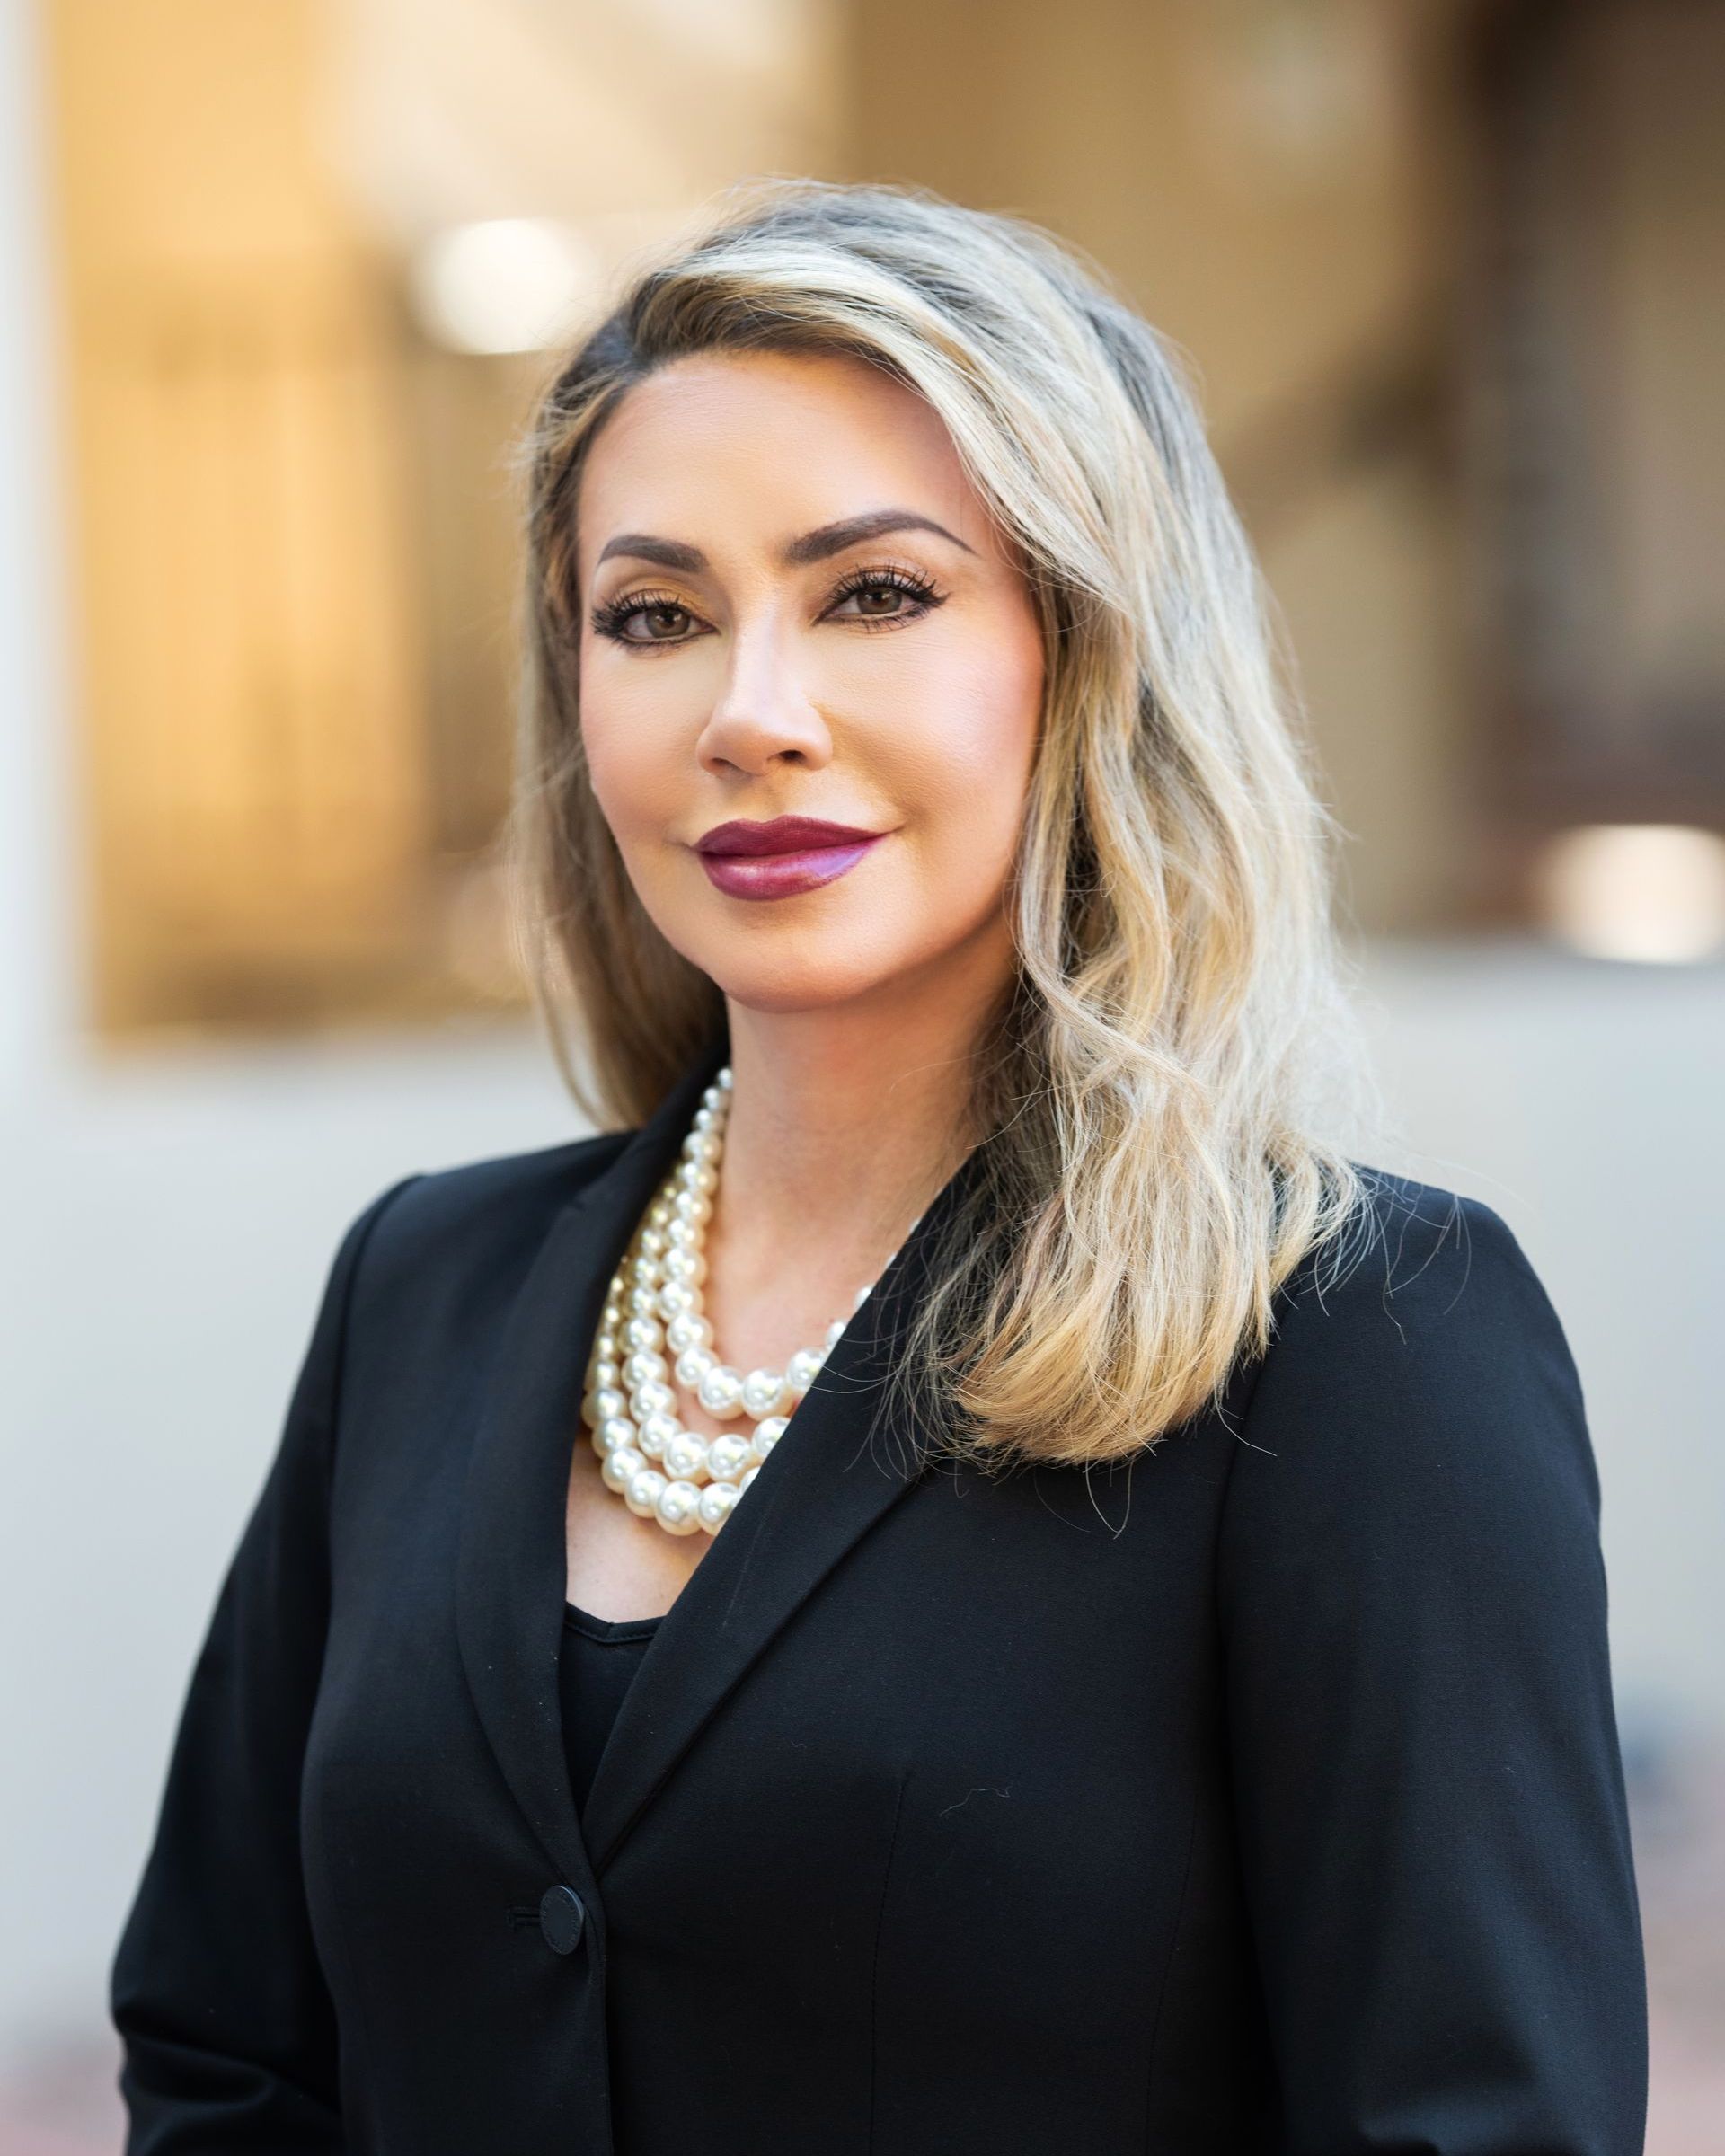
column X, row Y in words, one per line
column 613, row 617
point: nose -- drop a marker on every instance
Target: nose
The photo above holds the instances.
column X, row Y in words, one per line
column 764, row 714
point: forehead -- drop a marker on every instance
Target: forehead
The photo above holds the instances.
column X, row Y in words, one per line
column 745, row 450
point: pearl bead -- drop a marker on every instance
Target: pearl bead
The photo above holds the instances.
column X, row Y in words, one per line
column 652, row 1399
column 715, row 1508
column 679, row 1507
column 693, row 1365
column 720, row 1390
column 620, row 1466
column 641, row 1493
column 762, row 1393
column 728, row 1456
column 654, row 1304
column 686, row 1456
column 656, row 1431
column 801, row 1371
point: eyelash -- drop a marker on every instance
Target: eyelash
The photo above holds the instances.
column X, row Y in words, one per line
column 611, row 619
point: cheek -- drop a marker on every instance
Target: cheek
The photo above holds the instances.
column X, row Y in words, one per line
column 623, row 741
column 962, row 755
column 616, row 785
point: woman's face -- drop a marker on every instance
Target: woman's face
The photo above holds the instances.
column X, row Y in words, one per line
column 795, row 606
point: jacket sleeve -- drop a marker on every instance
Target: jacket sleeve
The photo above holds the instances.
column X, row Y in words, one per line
column 228, row 2031
column 1428, row 1785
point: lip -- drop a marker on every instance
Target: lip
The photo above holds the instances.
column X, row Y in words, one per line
column 781, row 857
column 780, row 834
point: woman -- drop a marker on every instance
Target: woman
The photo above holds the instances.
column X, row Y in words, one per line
column 1152, row 1693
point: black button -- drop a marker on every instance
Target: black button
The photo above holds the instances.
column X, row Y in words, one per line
column 563, row 1916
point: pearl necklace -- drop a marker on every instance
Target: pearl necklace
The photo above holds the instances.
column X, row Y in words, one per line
column 679, row 1477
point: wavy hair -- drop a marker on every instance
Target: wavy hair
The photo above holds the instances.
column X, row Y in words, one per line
column 1145, row 1103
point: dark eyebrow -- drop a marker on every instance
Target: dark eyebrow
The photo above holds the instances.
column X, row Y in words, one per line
column 812, row 546
column 641, row 546
column 834, row 538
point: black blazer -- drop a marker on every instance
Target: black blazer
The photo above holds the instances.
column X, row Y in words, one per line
column 1265, row 1798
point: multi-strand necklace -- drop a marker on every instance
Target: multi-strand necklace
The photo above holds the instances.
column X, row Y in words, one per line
column 654, row 1330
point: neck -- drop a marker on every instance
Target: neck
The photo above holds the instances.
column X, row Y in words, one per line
column 844, row 1123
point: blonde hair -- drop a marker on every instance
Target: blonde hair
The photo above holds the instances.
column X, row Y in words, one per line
column 1149, row 1087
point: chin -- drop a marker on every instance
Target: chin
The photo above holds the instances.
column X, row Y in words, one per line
column 790, row 973
column 786, row 990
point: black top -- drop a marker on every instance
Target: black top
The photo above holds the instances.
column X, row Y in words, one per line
column 1261, row 1795
column 598, row 1664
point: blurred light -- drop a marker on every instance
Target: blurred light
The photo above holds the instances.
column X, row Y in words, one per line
column 507, row 285
column 1653, row 892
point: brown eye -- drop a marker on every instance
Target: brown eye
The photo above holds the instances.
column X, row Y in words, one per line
column 658, row 622
column 878, row 598
column 642, row 620
column 884, row 596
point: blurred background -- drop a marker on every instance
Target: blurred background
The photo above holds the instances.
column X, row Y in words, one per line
column 278, row 280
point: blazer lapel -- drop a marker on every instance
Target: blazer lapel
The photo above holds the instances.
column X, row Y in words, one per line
column 832, row 1475
column 834, row 1472
column 511, row 1566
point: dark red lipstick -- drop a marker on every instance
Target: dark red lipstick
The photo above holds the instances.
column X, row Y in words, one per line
column 780, row 857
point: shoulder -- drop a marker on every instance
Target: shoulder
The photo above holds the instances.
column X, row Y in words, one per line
column 501, row 1191
column 1418, row 1356
column 479, row 1219
column 1421, row 1274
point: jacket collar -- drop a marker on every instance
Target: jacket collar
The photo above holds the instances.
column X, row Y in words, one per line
column 832, row 1475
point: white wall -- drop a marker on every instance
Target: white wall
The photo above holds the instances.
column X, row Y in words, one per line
column 1583, row 1100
